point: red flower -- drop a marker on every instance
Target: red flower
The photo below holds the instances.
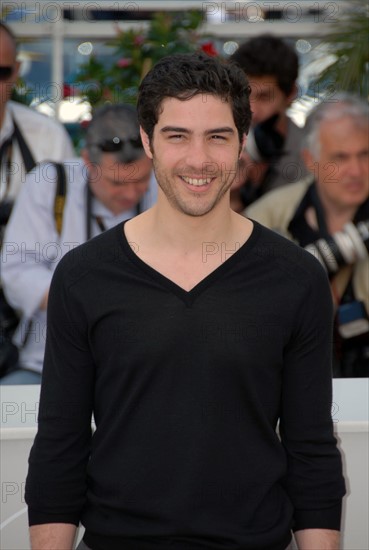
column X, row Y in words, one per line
column 138, row 40
column 106, row 94
column 209, row 49
column 124, row 62
column 69, row 91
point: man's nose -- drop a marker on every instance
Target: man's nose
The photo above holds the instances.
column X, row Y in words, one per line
column 258, row 112
column 357, row 166
column 199, row 156
column 131, row 191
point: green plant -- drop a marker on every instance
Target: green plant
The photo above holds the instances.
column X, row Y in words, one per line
column 134, row 52
column 348, row 43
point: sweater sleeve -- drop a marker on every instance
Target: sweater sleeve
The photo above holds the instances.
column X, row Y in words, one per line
column 314, row 479
column 56, row 481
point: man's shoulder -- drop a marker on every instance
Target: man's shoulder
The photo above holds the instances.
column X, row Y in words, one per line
column 283, row 199
column 294, row 128
column 295, row 135
column 41, row 181
column 290, row 191
column 90, row 257
column 283, row 254
column 30, row 119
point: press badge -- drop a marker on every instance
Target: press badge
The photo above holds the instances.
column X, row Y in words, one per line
column 352, row 319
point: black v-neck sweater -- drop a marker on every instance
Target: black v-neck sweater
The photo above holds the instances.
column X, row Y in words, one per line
column 187, row 389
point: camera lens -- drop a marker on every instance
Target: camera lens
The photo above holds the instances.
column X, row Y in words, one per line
column 345, row 247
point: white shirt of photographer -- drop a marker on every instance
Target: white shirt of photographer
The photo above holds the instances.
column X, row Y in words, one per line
column 46, row 138
column 32, row 247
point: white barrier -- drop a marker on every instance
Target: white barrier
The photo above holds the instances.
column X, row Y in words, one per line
column 19, row 406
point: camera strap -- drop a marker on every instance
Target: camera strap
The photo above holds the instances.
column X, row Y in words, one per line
column 340, row 282
column 6, row 150
column 5, row 160
column 28, row 159
column 60, row 198
column 60, row 193
column 98, row 219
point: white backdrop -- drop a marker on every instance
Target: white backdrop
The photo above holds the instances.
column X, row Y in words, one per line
column 19, row 405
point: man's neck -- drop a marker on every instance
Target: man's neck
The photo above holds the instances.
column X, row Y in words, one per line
column 337, row 216
column 183, row 233
column 186, row 249
column 282, row 124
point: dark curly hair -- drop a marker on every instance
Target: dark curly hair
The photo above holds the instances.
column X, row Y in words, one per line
column 183, row 76
column 268, row 55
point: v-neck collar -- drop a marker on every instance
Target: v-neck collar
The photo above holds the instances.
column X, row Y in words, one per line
column 188, row 296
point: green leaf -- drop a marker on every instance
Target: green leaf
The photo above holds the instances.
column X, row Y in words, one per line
column 167, row 33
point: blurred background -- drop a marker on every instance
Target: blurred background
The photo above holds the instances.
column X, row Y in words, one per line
column 79, row 54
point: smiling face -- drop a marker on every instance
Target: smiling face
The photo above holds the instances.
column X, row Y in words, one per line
column 195, row 150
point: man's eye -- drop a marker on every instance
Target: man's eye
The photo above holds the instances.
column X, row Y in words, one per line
column 217, row 137
column 340, row 157
column 176, row 137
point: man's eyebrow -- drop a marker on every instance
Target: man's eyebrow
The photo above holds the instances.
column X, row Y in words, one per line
column 178, row 129
column 222, row 130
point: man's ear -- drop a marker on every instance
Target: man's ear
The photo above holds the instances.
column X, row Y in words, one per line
column 292, row 95
column 93, row 168
column 309, row 160
column 146, row 143
column 85, row 157
column 242, row 145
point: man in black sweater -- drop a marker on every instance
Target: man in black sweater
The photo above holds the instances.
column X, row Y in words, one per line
column 189, row 332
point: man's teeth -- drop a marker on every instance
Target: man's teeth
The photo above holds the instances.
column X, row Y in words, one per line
column 198, row 182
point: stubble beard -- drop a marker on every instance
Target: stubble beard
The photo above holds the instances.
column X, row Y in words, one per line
column 189, row 207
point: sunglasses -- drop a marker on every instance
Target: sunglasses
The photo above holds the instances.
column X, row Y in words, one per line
column 117, row 144
column 6, row 72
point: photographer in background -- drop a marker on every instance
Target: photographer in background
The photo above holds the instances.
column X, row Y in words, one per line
column 329, row 215
column 112, row 182
column 272, row 155
column 26, row 137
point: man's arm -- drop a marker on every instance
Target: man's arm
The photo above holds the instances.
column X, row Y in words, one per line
column 52, row 536
column 314, row 480
column 317, row 539
column 56, row 483
column 45, row 298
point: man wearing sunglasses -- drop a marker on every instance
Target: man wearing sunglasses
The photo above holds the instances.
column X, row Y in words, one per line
column 26, row 136
column 112, row 182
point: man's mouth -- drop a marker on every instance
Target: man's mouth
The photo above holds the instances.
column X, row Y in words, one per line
column 196, row 182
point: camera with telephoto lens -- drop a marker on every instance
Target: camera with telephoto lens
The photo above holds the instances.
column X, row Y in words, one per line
column 345, row 247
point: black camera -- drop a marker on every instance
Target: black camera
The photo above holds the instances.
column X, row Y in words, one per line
column 345, row 247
